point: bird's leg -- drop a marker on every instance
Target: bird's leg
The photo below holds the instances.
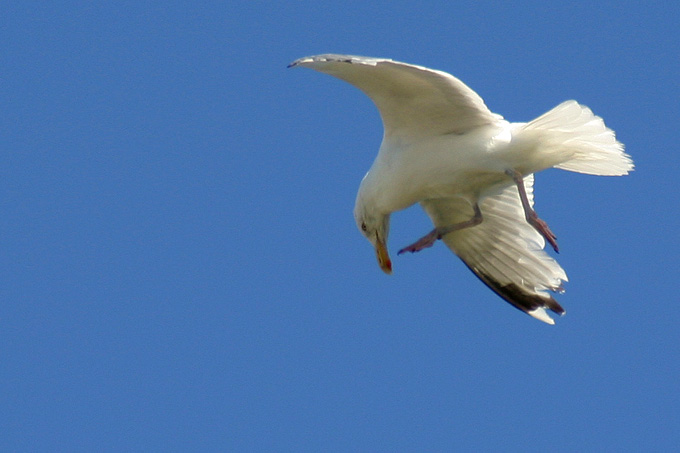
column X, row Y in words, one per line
column 433, row 236
column 529, row 213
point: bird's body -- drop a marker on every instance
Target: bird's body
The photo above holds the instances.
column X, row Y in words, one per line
column 471, row 171
column 476, row 165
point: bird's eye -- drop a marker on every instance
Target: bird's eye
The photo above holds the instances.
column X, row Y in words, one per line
column 363, row 227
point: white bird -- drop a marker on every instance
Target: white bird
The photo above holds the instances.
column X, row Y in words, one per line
column 471, row 171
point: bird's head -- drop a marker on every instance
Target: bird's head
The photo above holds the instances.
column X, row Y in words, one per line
column 376, row 228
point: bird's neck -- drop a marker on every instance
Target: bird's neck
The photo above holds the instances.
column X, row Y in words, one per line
column 377, row 192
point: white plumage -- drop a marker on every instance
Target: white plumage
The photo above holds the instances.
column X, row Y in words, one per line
column 470, row 170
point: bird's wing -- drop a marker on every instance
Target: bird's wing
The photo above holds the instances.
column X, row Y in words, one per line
column 413, row 101
column 504, row 251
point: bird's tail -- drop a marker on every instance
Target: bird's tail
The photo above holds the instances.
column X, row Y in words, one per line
column 579, row 141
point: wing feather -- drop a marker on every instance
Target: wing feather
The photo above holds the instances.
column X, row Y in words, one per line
column 413, row 101
column 504, row 251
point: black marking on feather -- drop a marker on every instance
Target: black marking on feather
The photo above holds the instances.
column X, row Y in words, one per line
column 519, row 297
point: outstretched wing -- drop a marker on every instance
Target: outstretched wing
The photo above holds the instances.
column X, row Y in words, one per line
column 504, row 251
column 413, row 101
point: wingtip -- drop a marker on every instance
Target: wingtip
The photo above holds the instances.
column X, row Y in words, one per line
column 294, row 63
column 313, row 60
column 300, row 61
column 540, row 314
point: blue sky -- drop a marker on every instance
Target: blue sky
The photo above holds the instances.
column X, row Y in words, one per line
column 181, row 268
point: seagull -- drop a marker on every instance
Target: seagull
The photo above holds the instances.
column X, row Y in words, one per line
column 472, row 173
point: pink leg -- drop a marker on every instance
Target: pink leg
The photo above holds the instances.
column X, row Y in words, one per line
column 529, row 213
column 433, row 236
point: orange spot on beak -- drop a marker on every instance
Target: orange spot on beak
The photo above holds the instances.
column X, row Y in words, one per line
column 383, row 257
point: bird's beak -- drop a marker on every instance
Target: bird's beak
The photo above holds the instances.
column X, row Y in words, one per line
column 383, row 257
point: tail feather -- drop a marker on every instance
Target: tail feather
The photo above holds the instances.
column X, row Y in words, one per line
column 582, row 141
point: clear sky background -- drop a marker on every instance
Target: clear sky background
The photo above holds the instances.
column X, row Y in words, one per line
column 181, row 269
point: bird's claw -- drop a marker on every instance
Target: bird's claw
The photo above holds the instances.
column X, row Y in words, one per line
column 545, row 231
column 425, row 242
